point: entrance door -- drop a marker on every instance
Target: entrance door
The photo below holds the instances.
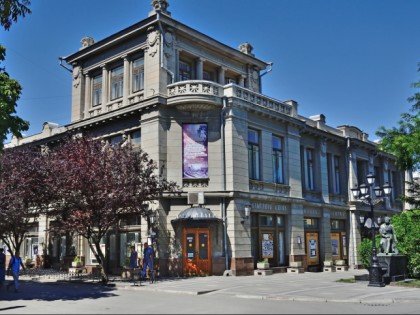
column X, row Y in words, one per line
column 197, row 253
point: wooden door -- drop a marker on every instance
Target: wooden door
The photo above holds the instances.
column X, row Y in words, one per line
column 197, row 251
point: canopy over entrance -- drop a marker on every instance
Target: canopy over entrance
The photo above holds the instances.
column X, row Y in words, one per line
column 196, row 214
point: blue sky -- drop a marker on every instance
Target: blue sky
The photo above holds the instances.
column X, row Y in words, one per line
column 353, row 61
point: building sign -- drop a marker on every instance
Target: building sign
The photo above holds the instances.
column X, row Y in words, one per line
column 194, row 149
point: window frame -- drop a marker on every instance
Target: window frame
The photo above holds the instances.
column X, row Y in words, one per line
column 278, row 160
column 117, row 82
column 137, row 75
column 254, row 155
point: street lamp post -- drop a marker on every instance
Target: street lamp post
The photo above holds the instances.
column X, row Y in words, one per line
column 371, row 196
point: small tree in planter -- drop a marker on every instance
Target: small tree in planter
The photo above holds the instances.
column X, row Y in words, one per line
column 77, row 262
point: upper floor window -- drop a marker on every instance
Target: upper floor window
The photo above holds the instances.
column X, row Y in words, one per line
column 117, row 82
column 208, row 76
column 277, row 159
column 309, row 171
column 97, row 90
column 184, row 71
column 230, row 80
column 336, row 166
column 138, row 75
column 253, row 154
column 116, row 140
column 135, row 137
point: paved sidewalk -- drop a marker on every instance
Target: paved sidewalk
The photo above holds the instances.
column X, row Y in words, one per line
column 308, row 286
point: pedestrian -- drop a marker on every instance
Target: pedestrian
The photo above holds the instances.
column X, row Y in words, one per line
column 133, row 261
column 147, row 260
column 14, row 266
column 2, row 267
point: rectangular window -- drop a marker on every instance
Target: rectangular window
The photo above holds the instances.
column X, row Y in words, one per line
column 253, row 154
column 135, row 137
column 117, row 82
column 97, row 90
column 138, row 75
column 229, row 80
column 277, row 147
column 116, row 140
column 310, row 223
column 310, row 169
column 184, row 71
column 336, row 163
column 208, row 76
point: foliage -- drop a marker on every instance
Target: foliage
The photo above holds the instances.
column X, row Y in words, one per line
column 407, row 229
column 77, row 259
column 10, row 10
column 24, row 192
column 413, row 194
column 404, row 141
column 97, row 185
column 10, row 91
column 364, row 251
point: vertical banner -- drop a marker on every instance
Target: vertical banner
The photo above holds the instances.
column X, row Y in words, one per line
column 194, row 149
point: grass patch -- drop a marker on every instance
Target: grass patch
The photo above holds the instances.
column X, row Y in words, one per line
column 346, row 280
column 415, row 283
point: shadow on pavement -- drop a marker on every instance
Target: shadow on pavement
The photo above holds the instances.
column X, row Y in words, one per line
column 60, row 290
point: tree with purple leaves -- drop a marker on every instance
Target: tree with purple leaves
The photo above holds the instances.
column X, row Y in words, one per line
column 25, row 192
column 97, row 185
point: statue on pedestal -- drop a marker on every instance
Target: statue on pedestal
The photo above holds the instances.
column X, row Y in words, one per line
column 389, row 239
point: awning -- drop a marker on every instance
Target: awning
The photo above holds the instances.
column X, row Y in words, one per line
column 196, row 214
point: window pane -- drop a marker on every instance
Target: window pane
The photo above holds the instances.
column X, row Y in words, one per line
column 117, row 82
column 138, row 74
column 97, row 90
column 266, row 220
column 136, row 137
column 277, row 160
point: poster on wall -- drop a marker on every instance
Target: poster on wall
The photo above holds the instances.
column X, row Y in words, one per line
column 267, row 245
column 312, row 248
column 194, row 149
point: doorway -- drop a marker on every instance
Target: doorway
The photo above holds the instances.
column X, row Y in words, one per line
column 196, row 256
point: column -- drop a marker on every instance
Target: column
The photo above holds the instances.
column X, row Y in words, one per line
column 88, row 96
column 104, row 88
column 221, row 79
column 126, row 88
column 199, row 69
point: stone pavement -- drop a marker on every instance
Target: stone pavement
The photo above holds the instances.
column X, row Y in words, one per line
column 308, row 286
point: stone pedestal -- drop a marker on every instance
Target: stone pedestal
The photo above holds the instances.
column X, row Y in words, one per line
column 394, row 267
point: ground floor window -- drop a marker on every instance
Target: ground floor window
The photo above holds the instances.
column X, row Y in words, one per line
column 268, row 238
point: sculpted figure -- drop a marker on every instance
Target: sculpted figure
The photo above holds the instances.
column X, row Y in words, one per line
column 389, row 239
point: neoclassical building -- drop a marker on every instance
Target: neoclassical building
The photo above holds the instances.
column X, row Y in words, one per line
column 259, row 181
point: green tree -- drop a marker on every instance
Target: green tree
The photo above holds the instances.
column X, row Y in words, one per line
column 407, row 229
column 10, row 10
column 10, row 89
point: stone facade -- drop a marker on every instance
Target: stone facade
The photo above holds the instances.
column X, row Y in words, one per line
column 306, row 216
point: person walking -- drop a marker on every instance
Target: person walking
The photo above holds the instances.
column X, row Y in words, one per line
column 147, row 260
column 2, row 267
column 133, row 261
column 14, row 266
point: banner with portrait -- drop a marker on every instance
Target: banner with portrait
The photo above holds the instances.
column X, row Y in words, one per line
column 194, row 151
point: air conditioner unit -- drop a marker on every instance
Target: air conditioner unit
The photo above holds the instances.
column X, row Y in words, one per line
column 195, row 198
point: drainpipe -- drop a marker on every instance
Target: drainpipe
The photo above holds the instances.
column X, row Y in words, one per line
column 161, row 49
column 224, row 217
column 270, row 68
column 61, row 64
